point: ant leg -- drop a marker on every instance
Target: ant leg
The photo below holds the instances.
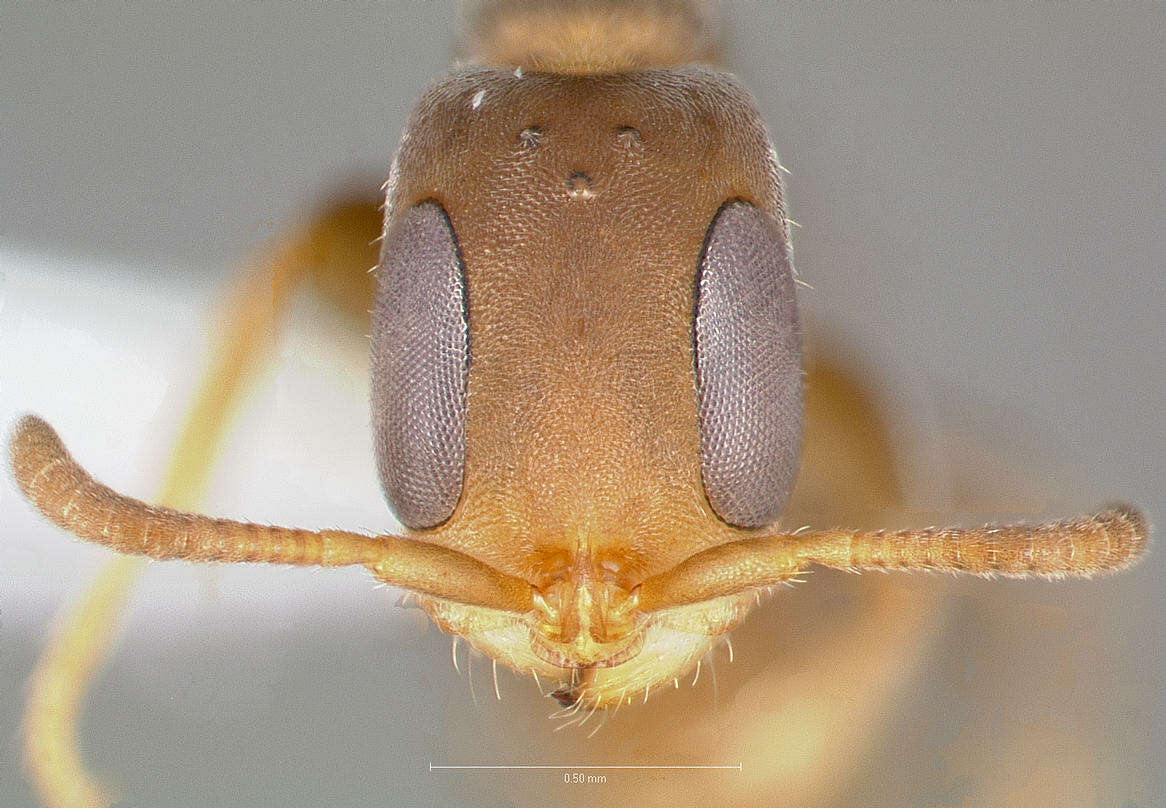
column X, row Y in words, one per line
column 337, row 245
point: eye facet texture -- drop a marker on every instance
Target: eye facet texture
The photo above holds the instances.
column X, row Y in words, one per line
column 749, row 366
column 420, row 361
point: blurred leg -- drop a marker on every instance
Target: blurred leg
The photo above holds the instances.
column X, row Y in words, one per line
column 334, row 254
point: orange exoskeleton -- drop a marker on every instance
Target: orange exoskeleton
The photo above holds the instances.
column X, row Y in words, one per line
column 587, row 377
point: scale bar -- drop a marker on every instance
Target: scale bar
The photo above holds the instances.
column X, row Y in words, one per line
column 435, row 766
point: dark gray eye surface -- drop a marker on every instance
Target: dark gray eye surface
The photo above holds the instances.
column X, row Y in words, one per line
column 420, row 361
column 749, row 367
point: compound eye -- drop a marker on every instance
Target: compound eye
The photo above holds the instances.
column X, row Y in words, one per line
column 748, row 366
column 420, row 362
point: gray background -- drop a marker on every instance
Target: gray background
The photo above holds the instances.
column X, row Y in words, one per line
column 981, row 194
